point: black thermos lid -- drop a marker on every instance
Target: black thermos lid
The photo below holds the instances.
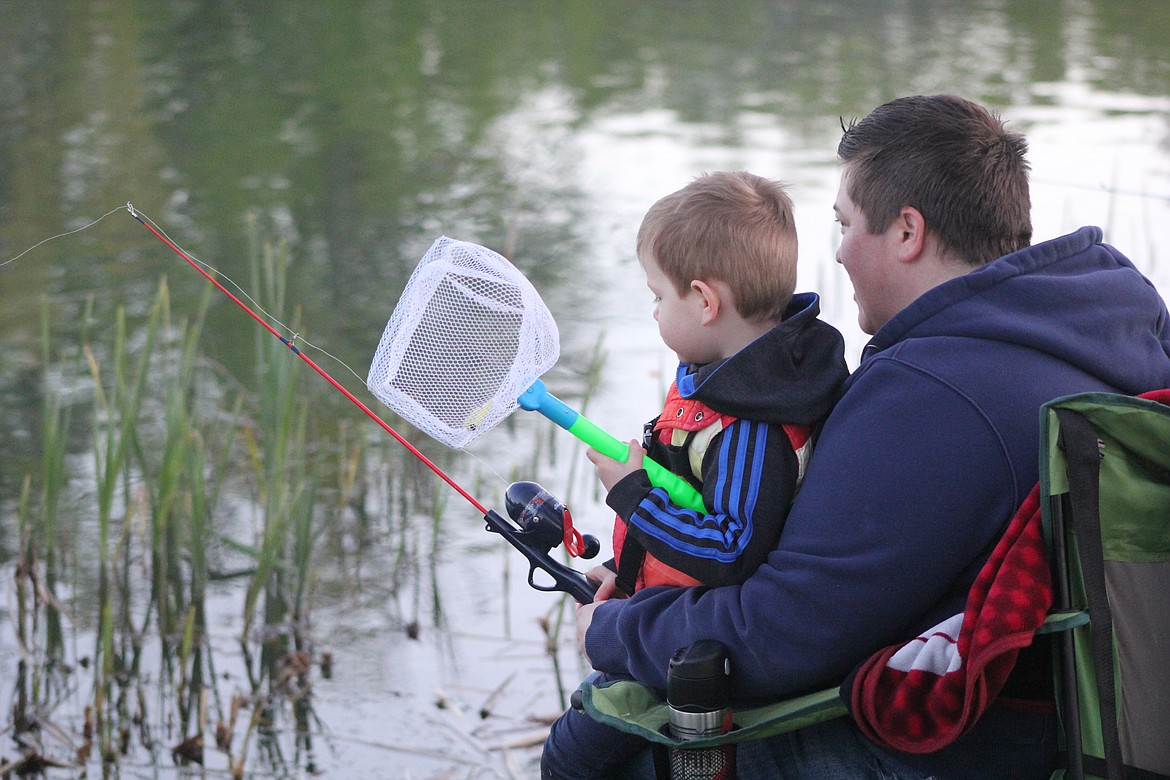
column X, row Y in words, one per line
column 699, row 678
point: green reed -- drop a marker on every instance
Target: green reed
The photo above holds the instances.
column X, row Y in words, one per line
column 279, row 594
column 151, row 497
column 563, row 610
column 39, row 624
column 116, row 412
column 180, row 502
column 165, row 444
column 54, row 476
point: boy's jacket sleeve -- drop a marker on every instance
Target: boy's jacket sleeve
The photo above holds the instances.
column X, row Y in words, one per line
column 749, row 471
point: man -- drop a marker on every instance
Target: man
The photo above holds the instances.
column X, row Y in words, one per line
column 929, row 452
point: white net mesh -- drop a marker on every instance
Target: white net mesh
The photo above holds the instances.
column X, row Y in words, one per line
column 468, row 336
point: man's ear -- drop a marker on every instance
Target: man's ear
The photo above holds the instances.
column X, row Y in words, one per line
column 711, row 297
column 911, row 234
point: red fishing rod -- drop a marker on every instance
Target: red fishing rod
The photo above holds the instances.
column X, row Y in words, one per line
column 296, row 350
column 544, row 522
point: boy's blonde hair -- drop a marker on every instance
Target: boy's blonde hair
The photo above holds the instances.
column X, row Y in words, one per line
column 735, row 227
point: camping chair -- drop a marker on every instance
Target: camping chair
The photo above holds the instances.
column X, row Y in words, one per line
column 1111, row 603
column 1105, row 475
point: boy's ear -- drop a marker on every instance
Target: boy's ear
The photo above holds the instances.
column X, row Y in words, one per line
column 711, row 297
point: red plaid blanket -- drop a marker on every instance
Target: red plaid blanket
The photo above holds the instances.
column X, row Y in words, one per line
column 924, row 694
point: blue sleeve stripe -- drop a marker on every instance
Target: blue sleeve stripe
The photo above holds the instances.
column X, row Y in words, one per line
column 721, row 536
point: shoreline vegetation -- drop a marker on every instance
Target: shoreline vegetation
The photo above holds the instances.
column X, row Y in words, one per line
column 198, row 497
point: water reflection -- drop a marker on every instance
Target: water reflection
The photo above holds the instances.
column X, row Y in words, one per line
column 358, row 134
column 354, row 133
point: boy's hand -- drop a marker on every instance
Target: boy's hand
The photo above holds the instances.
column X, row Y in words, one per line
column 610, row 471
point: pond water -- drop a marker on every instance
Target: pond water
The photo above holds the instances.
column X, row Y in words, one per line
column 352, row 134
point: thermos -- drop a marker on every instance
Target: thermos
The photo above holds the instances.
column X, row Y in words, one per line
column 698, row 695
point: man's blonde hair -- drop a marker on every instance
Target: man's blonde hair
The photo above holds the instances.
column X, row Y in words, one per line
column 735, row 227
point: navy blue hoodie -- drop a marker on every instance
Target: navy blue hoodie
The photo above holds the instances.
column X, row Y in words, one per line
column 931, row 449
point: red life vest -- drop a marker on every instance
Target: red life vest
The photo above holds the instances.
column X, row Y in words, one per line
column 688, row 424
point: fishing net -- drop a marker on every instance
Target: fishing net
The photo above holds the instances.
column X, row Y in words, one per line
column 468, row 336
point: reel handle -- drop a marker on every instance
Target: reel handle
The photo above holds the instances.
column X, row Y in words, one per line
column 537, row 398
column 565, row 579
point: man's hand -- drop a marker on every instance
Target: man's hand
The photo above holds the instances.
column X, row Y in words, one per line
column 611, row 471
column 584, row 618
column 606, row 582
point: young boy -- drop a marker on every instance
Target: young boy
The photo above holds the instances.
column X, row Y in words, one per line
column 757, row 373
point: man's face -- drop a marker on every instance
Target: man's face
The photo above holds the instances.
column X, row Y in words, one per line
column 868, row 260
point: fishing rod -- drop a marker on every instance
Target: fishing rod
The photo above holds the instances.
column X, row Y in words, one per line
column 541, row 521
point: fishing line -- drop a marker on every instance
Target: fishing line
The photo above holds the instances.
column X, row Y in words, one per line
column 539, row 521
column 213, row 275
column 294, row 336
column 1104, row 188
column 203, row 270
column 62, row 235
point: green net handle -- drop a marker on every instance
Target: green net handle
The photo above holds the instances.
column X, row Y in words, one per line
column 537, row 398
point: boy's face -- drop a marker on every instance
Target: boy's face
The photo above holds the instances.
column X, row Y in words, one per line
column 679, row 317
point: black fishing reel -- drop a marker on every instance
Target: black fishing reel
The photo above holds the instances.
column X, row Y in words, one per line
column 541, row 522
column 545, row 521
